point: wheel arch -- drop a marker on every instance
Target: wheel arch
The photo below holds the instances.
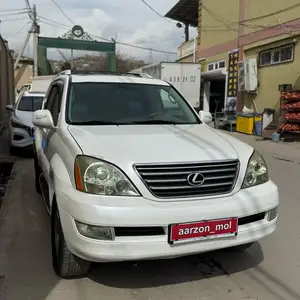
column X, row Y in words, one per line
column 58, row 177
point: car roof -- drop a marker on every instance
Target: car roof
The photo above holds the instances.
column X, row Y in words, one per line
column 34, row 94
column 117, row 79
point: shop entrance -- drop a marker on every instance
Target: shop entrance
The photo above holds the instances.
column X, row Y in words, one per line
column 217, row 96
column 214, row 90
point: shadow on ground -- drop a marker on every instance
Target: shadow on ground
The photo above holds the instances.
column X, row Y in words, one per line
column 156, row 273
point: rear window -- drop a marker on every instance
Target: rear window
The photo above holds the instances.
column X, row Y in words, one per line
column 30, row 103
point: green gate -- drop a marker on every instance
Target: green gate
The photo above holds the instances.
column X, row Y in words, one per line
column 75, row 39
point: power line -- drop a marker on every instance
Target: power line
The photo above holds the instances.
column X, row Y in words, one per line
column 19, row 31
column 12, row 14
column 62, row 11
column 145, row 48
column 28, row 5
column 11, row 10
column 160, row 41
column 271, row 14
column 52, row 23
column 229, row 22
column 8, row 20
column 156, row 12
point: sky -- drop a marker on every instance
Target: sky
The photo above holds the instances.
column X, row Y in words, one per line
column 129, row 21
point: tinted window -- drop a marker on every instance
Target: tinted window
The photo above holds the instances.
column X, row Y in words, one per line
column 126, row 103
column 53, row 102
column 30, row 103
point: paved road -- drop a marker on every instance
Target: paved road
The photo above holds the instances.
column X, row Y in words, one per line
column 267, row 271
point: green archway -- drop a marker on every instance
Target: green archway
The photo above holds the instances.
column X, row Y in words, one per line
column 75, row 39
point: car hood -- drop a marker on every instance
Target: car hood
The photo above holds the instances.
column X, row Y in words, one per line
column 129, row 144
column 23, row 117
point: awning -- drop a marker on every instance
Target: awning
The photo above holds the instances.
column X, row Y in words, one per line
column 214, row 75
column 185, row 11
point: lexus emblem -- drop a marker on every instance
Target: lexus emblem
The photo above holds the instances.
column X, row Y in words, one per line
column 195, row 179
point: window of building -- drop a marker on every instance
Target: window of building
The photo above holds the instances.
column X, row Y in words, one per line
column 216, row 65
column 276, row 55
column 210, row 67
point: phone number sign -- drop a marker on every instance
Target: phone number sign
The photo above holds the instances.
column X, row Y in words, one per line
column 175, row 79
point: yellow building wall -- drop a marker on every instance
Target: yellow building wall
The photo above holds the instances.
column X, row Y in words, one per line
column 258, row 8
column 221, row 56
column 189, row 58
column 23, row 74
column 218, row 21
column 271, row 76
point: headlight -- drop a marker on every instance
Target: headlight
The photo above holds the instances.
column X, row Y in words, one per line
column 101, row 178
column 17, row 125
column 257, row 171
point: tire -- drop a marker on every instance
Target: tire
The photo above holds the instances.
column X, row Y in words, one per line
column 37, row 173
column 65, row 264
column 240, row 248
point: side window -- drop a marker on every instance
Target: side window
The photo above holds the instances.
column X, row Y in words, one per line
column 50, row 98
column 53, row 102
column 167, row 100
column 56, row 106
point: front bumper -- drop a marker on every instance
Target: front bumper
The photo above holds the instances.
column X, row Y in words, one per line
column 140, row 212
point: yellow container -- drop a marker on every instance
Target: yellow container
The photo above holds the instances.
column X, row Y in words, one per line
column 245, row 123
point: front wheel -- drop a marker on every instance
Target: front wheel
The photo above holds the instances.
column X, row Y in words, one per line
column 65, row 263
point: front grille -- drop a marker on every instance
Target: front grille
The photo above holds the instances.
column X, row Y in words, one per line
column 174, row 180
column 30, row 130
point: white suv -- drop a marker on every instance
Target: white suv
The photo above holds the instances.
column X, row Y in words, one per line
column 128, row 172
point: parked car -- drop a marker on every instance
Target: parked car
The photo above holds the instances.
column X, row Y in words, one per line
column 126, row 176
column 20, row 127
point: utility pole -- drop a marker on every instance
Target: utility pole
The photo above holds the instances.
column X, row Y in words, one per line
column 35, row 32
column 24, row 46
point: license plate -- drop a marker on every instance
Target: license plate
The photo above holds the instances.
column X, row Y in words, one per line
column 213, row 229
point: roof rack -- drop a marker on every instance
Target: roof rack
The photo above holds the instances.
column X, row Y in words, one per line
column 35, row 92
column 97, row 72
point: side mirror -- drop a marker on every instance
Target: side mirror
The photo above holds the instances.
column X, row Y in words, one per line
column 9, row 107
column 42, row 118
column 205, row 116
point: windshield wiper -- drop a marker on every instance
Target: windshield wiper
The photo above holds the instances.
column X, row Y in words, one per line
column 96, row 122
column 155, row 122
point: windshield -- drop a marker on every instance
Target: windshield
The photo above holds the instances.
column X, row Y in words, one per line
column 126, row 103
column 30, row 103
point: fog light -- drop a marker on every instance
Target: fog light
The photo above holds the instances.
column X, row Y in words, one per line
column 272, row 214
column 95, row 232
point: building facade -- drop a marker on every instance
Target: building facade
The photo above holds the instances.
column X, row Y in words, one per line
column 23, row 72
column 6, row 80
column 232, row 31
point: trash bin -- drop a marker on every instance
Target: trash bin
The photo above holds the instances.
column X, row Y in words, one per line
column 245, row 122
column 258, row 128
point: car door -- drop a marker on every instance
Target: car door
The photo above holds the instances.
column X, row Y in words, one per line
column 53, row 105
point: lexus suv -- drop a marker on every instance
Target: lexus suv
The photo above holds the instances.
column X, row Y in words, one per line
column 128, row 171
